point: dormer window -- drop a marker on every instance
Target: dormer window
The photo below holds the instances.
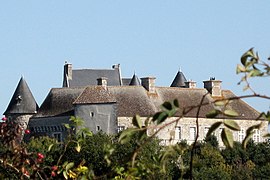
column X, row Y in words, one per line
column 19, row 99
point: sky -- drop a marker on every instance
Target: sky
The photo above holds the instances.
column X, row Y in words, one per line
column 152, row 38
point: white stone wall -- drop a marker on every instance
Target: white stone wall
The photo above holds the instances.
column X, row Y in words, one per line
column 170, row 133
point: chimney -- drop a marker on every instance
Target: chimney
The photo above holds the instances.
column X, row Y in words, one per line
column 213, row 87
column 190, row 84
column 117, row 67
column 102, row 82
column 149, row 84
column 67, row 74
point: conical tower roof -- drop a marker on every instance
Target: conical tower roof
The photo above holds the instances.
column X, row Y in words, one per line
column 135, row 81
column 22, row 101
column 179, row 80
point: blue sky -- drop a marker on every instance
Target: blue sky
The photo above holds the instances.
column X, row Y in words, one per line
column 152, row 37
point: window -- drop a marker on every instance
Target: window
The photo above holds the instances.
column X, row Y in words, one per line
column 192, row 133
column 178, row 132
column 120, row 128
column 98, row 128
column 241, row 135
column 57, row 136
column 206, row 129
column 256, row 135
column 92, row 114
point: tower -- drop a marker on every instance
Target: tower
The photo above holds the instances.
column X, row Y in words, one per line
column 22, row 105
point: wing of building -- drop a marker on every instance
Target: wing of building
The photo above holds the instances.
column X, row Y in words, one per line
column 107, row 102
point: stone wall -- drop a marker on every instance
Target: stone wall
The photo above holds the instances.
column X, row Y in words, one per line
column 185, row 129
column 98, row 117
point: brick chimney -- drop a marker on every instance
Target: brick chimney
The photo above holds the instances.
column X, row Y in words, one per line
column 102, row 82
column 190, row 84
column 149, row 84
column 213, row 87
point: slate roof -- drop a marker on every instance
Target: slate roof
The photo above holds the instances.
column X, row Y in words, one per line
column 59, row 102
column 179, row 80
column 86, row 77
column 126, row 81
column 240, row 106
column 135, row 81
column 131, row 100
column 186, row 98
column 22, row 101
column 95, row 95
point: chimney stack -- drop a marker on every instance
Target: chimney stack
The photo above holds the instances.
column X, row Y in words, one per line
column 149, row 84
column 67, row 74
column 68, row 70
column 190, row 84
column 102, row 82
column 213, row 87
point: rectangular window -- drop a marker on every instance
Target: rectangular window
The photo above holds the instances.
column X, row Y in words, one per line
column 192, row 133
column 256, row 135
column 178, row 133
column 205, row 131
column 241, row 135
column 120, row 128
column 57, row 136
column 92, row 114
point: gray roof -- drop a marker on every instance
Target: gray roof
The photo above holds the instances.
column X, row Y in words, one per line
column 179, row 80
column 22, row 101
column 135, row 81
column 131, row 100
column 86, row 77
column 126, row 81
column 59, row 102
column 95, row 95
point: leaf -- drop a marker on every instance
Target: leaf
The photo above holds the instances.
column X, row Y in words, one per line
column 249, row 133
column 136, row 121
column 65, row 174
column 67, row 126
column 50, row 147
column 146, row 122
column 172, row 112
column 240, row 69
column 255, row 72
column 251, row 128
column 78, row 147
column 221, row 103
column 155, row 117
column 162, row 117
column 69, row 166
column 213, row 128
column 167, row 105
column 245, row 141
column 267, row 135
column 232, row 125
column 212, row 114
column 227, row 138
column 126, row 135
column 246, row 55
column 230, row 113
column 176, row 103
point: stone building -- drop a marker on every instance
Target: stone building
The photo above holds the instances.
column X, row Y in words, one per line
column 107, row 102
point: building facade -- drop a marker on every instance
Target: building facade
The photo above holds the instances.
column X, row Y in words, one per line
column 107, row 102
